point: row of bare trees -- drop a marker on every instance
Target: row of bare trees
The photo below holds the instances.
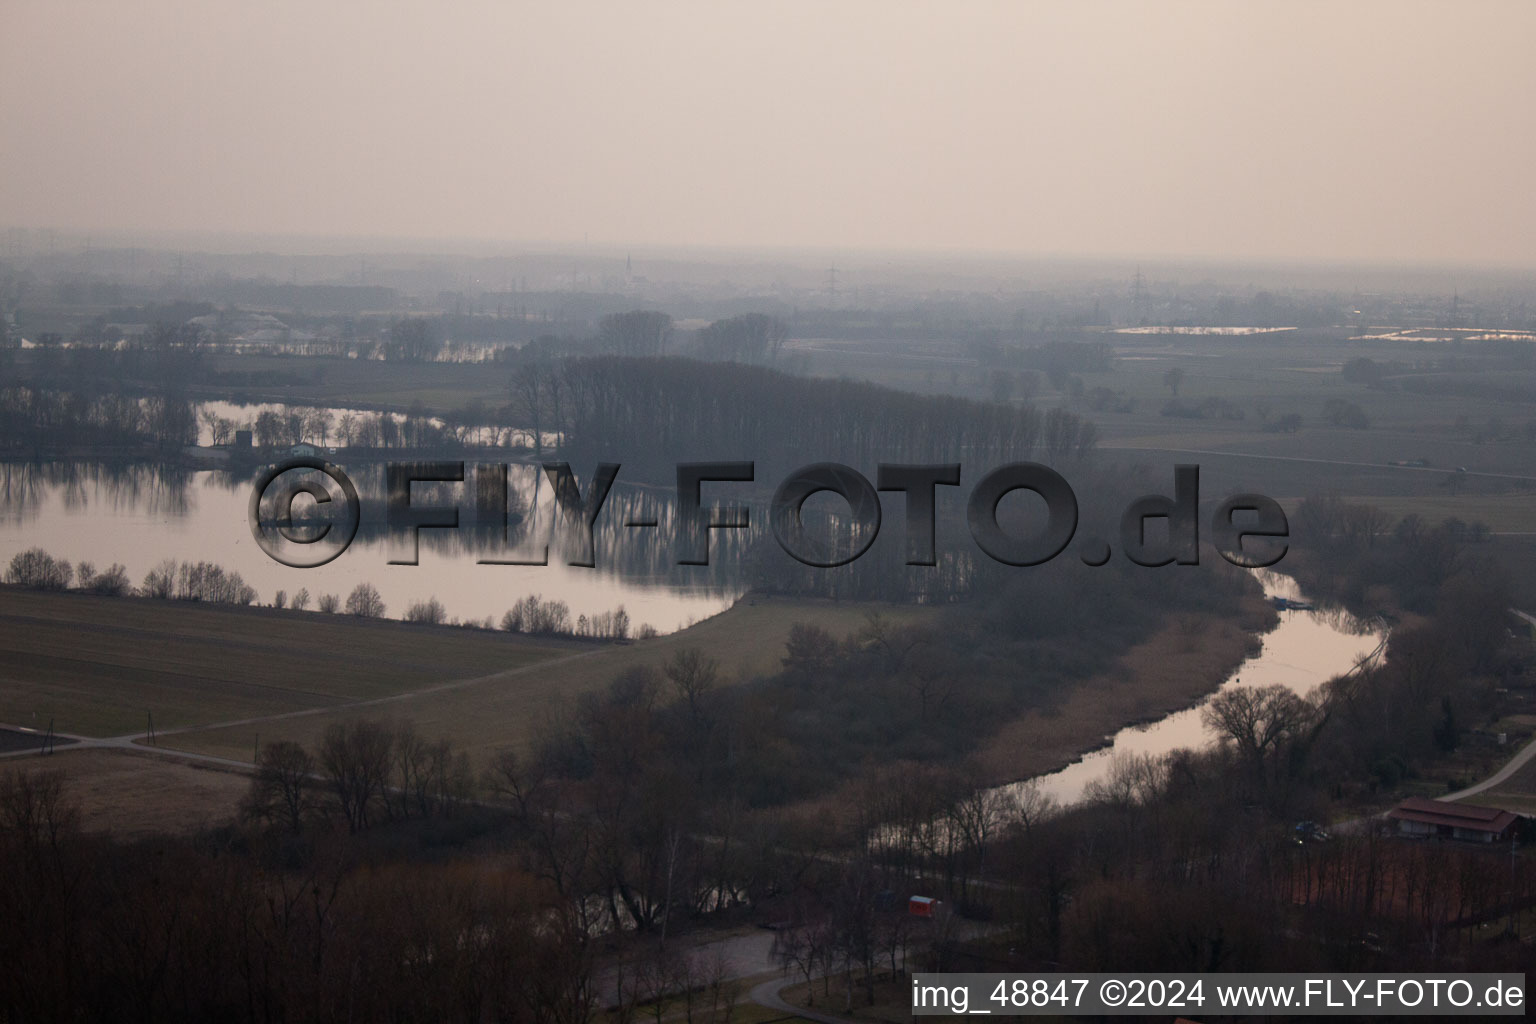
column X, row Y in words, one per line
column 369, row 770
column 629, row 409
column 35, row 416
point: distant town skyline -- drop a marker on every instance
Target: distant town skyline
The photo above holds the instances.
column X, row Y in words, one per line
column 1368, row 132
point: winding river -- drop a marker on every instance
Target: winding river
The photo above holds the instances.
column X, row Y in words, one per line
column 1306, row 649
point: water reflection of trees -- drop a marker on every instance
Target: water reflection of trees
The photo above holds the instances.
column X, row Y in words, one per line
column 645, row 555
column 124, row 486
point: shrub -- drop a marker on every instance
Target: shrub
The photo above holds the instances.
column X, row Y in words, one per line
column 329, row 603
column 111, row 583
column 365, row 601
column 430, row 611
column 39, row 570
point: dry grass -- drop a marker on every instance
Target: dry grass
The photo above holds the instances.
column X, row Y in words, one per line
column 133, row 794
column 1183, row 661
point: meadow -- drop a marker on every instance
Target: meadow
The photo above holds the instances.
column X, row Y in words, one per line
column 219, row 679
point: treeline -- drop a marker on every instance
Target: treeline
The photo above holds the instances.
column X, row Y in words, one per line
column 654, row 413
column 1359, row 554
column 234, row 926
column 172, row 580
column 166, row 358
column 32, row 417
column 362, row 774
column 473, row 425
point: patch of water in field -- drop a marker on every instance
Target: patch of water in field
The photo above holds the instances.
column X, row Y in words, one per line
column 140, row 515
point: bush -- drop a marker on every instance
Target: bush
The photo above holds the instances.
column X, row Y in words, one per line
column 430, row 611
column 39, row 570
column 1345, row 414
column 112, row 583
column 533, row 615
column 365, row 601
column 329, row 603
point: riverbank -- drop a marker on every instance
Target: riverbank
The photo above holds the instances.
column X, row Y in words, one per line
column 1188, row 658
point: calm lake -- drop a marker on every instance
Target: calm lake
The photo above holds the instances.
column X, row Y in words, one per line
column 140, row 515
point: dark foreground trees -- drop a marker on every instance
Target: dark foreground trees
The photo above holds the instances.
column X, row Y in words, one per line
column 184, row 930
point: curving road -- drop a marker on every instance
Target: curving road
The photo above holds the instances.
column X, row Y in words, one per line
column 767, row 994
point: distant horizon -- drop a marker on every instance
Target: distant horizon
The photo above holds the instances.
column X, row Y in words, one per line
column 234, row 243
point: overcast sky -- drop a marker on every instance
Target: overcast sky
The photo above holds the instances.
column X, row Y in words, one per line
column 1396, row 131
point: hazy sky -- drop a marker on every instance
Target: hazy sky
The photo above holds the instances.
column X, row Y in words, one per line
column 1398, row 131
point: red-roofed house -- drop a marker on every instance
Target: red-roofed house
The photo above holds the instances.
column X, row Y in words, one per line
column 1419, row 816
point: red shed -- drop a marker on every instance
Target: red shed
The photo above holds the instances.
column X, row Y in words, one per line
column 922, row 906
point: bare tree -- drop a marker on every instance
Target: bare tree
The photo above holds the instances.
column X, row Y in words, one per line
column 1257, row 720
column 281, row 788
column 356, row 760
column 693, row 676
column 365, row 601
column 35, row 805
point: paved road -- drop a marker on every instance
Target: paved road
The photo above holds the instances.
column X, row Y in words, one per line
column 767, row 994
